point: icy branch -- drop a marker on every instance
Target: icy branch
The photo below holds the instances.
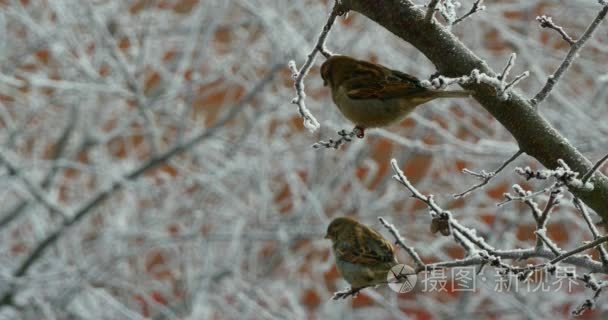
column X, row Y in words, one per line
column 477, row 6
column 547, row 22
column 485, row 176
column 498, row 82
column 430, row 11
column 310, row 122
column 575, row 47
column 345, row 137
column 400, row 241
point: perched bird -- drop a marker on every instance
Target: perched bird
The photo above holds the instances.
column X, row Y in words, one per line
column 363, row 257
column 371, row 95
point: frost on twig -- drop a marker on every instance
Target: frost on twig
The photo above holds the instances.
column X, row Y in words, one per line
column 430, row 11
column 498, row 82
column 310, row 122
column 399, row 240
column 575, row 46
column 594, row 231
column 595, row 167
column 447, row 9
column 485, row 176
column 563, row 174
column 547, row 22
column 480, row 253
column 345, row 137
column 477, row 6
column 437, row 213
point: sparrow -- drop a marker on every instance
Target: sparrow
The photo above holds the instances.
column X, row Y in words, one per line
column 363, row 256
column 371, row 95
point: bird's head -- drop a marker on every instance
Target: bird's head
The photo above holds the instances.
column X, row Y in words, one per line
column 336, row 69
column 338, row 226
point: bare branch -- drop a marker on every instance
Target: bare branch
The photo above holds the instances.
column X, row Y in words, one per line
column 309, row 120
column 477, row 6
column 430, row 11
column 582, row 248
column 486, row 176
column 547, row 22
column 596, row 167
column 574, row 49
column 583, row 210
column 33, row 189
column 399, row 240
column 100, row 197
column 345, row 137
column 541, row 236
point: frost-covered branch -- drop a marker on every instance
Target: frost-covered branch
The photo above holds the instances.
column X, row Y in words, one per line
column 594, row 231
column 535, row 135
column 88, row 206
column 477, row 6
column 299, row 74
column 485, row 254
column 595, row 167
column 547, row 22
column 485, row 176
column 33, row 188
column 575, row 47
column 430, row 11
column 498, row 82
column 400, row 241
column 345, row 137
column 59, row 149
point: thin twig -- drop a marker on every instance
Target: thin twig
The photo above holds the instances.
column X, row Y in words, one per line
column 574, row 49
column 590, row 173
column 583, row 210
column 33, row 189
column 399, row 240
column 486, row 176
column 477, row 6
column 88, row 206
column 345, row 137
column 553, row 201
column 430, row 11
column 58, row 151
column 310, row 122
column 547, row 22
column 582, row 248
column 541, row 236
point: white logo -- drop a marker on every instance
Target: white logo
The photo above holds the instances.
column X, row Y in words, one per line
column 401, row 278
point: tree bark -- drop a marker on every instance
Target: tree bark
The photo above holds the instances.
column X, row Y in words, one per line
column 533, row 133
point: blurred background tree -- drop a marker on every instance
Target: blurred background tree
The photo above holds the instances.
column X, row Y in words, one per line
column 153, row 165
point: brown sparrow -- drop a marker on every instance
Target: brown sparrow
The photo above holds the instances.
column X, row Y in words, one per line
column 371, row 95
column 363, row 256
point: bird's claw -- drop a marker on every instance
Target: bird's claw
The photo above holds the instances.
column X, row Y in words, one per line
column 359, row 131
column 346, row 293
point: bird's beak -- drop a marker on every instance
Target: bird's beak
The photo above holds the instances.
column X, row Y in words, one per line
column 325, row 83
column 326, row 236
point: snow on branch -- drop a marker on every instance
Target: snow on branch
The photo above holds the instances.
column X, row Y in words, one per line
column 345, row 137
column 310, row 122
column 498, row 82
column 485, row 176
column 480, row 253
column 575, row 47
column 400, row 241
column 477, row 6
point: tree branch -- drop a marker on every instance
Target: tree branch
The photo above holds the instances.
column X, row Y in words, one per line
column 575, row 47
column 535, row 136
column 100, row 197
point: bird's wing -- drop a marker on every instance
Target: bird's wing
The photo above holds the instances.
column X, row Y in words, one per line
column 368, row 248
column 381, row 83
